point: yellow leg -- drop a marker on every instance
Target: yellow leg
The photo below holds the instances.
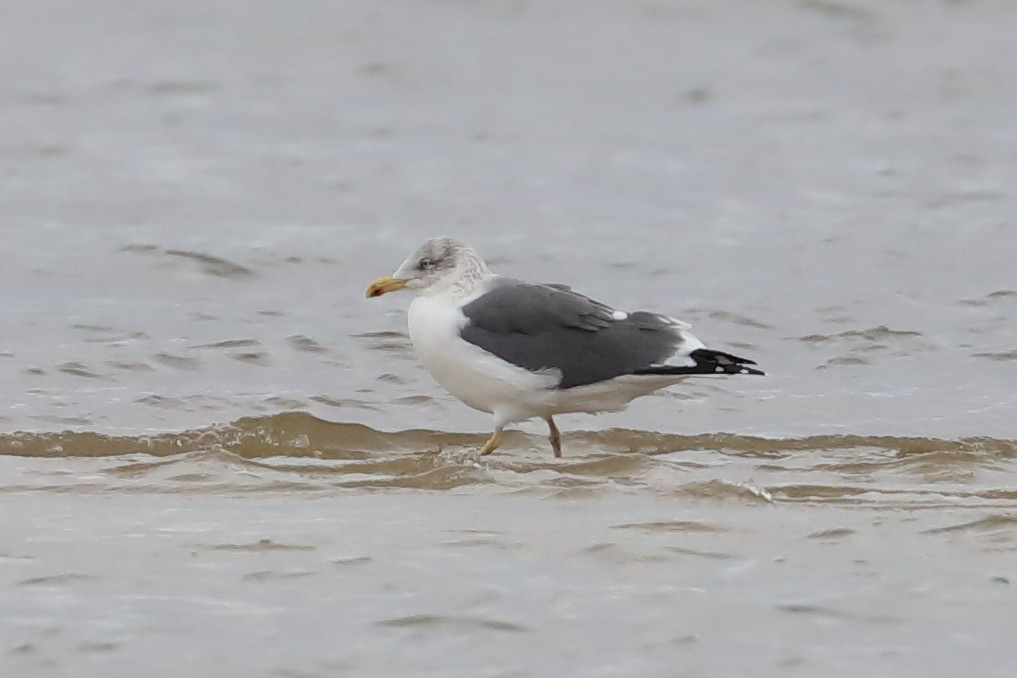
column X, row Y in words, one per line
column 493, row 442
column 555, row 437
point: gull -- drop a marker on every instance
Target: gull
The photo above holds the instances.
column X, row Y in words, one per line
column 520, row 350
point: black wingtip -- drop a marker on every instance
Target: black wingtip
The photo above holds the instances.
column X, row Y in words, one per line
column 709, row 361
column 719, row 362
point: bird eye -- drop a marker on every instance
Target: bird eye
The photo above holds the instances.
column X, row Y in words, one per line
column 425, row 264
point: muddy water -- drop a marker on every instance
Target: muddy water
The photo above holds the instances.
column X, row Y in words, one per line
column 216, row 458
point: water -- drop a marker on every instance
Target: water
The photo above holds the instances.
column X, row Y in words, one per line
column 218, row 458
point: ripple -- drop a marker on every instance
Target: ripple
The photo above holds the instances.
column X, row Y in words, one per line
column 130, row 366
column 737, row 319
column 863, row 345
column 342, row 403
column 990, row 298
column 708, row 555
column 352, row 560
column 212, row 265
column 880, row 333
column 441, row 623
column 726, row 490
column 176, row 361
column 388, row 341
column 252, row 358
column 833, row 534
column 268, row 575
column 206, row 263
column 63, row 421
column 260, row 546
column 183, row 87
column 989, row 524
column 668, row 526
column 57, row 579
column 299, row 342
column 230, row 343
column 831, row 613
column 78, row 370
column 1000, row 356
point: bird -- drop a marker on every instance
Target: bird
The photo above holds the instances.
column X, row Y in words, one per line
column 520, row 350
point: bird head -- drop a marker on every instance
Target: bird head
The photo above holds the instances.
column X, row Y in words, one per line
column 432, row 268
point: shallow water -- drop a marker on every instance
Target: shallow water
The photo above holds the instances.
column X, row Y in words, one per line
column 287, row 545
column 217, row 458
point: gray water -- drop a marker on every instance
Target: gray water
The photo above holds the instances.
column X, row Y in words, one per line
column 218, row 458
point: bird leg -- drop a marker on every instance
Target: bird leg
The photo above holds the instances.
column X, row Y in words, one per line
column 493, row 442
column 555, row 437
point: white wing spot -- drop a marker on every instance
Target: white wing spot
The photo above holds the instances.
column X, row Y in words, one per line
column 718, row 369
column 620, row 315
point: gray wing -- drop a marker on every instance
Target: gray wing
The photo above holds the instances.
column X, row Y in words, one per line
column 549, row 326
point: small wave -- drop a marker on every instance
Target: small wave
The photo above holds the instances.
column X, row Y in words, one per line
column 212, row 265
column 297, row 452
column 300, row 342
column 880, row 333
column 992, row 297
column 439, row 623
column 999, row 356
column 987, row 525
column 669, row 526
column 206, row 263
column 299, row 434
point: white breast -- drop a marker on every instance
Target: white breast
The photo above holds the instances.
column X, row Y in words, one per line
column 478, row 378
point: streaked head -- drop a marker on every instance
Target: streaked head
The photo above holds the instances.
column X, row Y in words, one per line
column 433, row 267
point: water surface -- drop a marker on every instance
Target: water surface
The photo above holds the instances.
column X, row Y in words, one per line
column 217, row 458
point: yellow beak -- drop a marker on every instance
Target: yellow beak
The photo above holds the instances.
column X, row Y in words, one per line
column 383, row 285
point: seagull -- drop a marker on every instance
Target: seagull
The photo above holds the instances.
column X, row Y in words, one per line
column 520, row 350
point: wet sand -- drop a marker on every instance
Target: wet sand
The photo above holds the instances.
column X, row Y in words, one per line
column 217, row 458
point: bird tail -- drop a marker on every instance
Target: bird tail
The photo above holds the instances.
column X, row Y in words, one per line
column 707, row 361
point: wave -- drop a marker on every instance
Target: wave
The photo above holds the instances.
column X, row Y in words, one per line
column 297, row 452
column 299, row 434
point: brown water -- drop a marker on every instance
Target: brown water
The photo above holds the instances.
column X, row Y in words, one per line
column 217, row 459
